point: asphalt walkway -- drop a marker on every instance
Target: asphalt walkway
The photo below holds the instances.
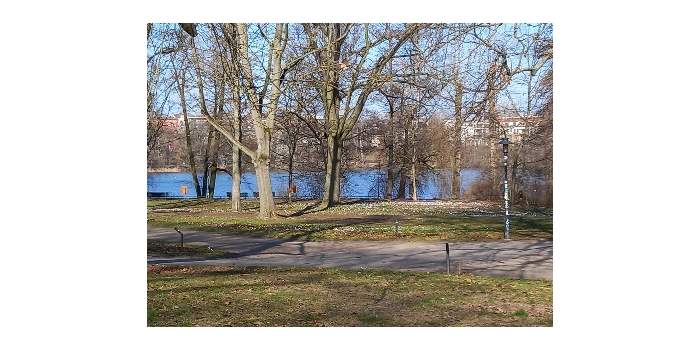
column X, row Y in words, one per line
column 528, row 259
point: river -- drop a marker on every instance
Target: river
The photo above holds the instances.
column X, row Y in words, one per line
column 356, row 184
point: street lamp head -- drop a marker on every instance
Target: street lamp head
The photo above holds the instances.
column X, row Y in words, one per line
column 504, row 141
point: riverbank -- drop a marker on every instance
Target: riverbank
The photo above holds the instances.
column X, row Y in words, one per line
column 165, row 170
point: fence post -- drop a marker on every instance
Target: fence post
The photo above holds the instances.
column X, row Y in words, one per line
column 182, row 238
column 447, row 257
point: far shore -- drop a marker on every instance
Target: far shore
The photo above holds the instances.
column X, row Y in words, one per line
column 186, row 170
column 165, row 170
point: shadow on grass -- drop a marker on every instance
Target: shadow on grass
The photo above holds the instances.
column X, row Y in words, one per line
column 183, row 203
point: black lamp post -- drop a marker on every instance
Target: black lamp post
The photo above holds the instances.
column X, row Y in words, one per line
column 506, row 229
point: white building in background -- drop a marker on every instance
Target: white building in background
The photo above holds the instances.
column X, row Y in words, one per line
column 477, row 132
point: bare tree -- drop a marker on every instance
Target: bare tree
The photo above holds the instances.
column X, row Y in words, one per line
column 180, row 77
column 341, row 53
column 263, row 100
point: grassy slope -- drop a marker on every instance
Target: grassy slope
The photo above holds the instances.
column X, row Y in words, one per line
column 232, row 296
column 363, row 220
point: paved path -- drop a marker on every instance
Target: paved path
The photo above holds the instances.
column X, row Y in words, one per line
column 530, row 259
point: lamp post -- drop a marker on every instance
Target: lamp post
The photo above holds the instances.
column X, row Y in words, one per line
column 506, row 228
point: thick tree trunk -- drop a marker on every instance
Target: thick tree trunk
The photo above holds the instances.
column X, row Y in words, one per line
column 329, row 185
column 338, row 174
column 389, row 191
column 402, row 185
column 262, row 171
column 262, row 176
column 337, row 191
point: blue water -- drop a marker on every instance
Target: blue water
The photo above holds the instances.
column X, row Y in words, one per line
column 355, row 184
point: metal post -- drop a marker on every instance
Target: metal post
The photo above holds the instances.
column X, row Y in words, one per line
column 506, row 229
column 447, row 258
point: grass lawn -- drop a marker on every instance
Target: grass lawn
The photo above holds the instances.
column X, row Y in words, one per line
column 237, row 296
column 167, row 249
column 365, row 220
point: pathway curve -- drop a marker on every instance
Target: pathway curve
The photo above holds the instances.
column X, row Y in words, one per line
column 529, row 259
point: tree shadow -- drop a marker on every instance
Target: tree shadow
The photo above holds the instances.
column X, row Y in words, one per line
column 183, row 203
column 315, row 206
column 307, row 209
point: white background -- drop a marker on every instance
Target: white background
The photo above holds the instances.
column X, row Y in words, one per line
column 72, row 116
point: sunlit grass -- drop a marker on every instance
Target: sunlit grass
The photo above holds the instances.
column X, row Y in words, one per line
column 353, row 221
column 237, row 296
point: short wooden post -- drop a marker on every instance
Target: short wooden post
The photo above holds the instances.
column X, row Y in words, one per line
column 447, row 257
column 182, row 238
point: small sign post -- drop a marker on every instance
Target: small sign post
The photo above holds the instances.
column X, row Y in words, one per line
column 447, row 258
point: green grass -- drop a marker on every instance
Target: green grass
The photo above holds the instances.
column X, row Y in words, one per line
column 352, row 221
column 166, row 249
column 237, row 296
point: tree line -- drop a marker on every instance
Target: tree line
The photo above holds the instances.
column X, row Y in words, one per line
column 266, row 87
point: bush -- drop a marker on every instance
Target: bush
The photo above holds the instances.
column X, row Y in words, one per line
column 483, row 189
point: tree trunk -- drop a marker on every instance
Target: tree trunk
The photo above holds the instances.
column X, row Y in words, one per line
column 404, row 159
column 493, row 134
column 390, row 164
column 414, row 192
column 290, row 171
column 188, row 142
column 205, row 176
column 235, row 151
column 402, row 184
column 235, row 179
column 329, row 185
column 213, row 165
column 262, row 171
column 457, row 142
column 514, row 185
column 389, row 191
column 338, row 173
column 262, row 176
